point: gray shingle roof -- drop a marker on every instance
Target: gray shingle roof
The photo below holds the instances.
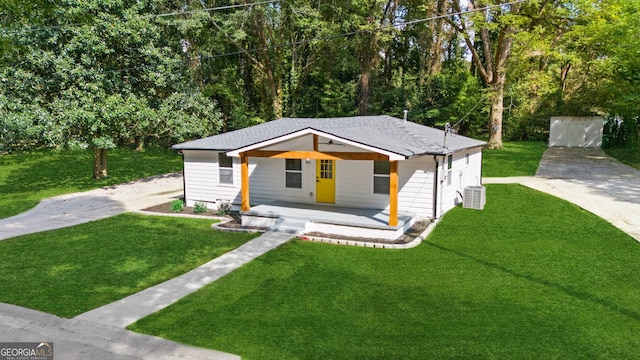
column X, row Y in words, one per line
column 382, row 132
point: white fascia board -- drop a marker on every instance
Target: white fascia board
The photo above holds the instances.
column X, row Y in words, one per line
column 307, row 131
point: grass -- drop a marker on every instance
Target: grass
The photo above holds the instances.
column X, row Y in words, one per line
column 517, row 158
column 70, row 271
column 529, row 277
column 626, row 156
column 27, row 178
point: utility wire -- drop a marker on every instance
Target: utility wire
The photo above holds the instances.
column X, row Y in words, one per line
column 209, row 9
column 227, row 7
column 393, row 26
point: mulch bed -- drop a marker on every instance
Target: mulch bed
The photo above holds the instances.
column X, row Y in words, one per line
column 235, row 223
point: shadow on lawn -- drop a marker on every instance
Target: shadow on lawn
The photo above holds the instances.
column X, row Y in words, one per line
column 571, row 292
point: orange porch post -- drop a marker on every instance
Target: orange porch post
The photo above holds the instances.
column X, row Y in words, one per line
column 393, row 193
column 244, row 182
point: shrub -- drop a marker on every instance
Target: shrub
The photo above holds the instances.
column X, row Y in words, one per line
column 199, row 208
column 177, row 205
column 223, row 208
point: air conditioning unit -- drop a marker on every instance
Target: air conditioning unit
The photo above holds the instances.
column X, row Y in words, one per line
column 474, row 197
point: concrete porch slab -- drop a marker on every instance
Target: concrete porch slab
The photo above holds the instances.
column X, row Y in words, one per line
column 336, row 220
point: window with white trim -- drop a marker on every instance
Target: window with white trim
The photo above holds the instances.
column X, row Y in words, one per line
column 293, row 173
column 381, row 178
column 225, row 169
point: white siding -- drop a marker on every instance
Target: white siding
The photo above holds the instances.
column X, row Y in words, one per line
column 354, row 185
column 415, row 177
column 576, row 131
column 460, row 175
column 201, row 178
column 267, row 182
column 354, row 182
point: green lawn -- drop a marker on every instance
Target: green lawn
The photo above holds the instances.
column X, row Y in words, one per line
column 625, row 156
column 529, row 277
column 27, row 178
column 70, row 271
column 517, row 158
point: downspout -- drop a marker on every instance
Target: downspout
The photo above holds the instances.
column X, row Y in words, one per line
column 184, row 181
column 481, row 156
column 435, row 188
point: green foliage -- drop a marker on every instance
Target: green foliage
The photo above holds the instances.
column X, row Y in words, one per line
column 177, row 205
column 112, row 258
column 465, row 292
column 626, row 156
column 76, row 74
column 99, row 81
column 516, row 158
column 27, row 178
column 223, row 208
column 199, row 207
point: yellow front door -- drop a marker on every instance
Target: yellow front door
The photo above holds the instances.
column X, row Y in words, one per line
column 326, row 181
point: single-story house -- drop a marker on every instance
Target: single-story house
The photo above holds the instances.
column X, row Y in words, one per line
column 346, row 164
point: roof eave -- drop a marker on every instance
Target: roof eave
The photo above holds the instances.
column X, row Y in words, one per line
column 309, row 130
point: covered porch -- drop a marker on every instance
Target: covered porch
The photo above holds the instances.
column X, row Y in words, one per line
column 302, row 218
column 305, row 145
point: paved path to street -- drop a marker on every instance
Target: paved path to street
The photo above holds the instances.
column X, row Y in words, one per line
column 78, row 208
column 100, row 334
column 81, row 340
column 132, row 308
column 592, row 180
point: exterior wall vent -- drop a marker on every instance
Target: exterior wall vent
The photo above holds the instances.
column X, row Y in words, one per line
column 474, row 197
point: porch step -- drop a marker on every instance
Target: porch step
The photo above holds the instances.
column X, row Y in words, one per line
column 289, row 226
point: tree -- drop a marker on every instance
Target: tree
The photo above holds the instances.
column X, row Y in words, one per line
column 103, row 73
column 488, row 33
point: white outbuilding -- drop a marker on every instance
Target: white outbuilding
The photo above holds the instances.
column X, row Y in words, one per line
column 572, row 131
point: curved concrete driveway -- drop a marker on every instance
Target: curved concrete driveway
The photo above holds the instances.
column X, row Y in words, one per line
column 77, row 208
column 592, row 180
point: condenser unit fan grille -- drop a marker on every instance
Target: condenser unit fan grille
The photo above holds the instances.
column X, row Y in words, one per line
column 474, row 197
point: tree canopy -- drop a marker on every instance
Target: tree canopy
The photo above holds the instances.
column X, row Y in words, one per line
column 99, row 73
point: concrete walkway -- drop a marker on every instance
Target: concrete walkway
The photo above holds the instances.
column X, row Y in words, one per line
column 100, row 334
column 592, row 180
column 78, row 208
column 132, row 308
column 80, row 340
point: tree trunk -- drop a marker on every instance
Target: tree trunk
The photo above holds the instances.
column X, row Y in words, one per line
column 140, row 144
column 437, row 30
column 495, row 116
column 363, row 101
column 99, row 163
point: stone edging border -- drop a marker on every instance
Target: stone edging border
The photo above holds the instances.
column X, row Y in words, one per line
column 415, row 242
column 151, row 213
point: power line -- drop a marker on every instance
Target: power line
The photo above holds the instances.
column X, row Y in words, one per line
column 182, row 12
column 356, row 32
column 210, row 9
column 393, row 26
